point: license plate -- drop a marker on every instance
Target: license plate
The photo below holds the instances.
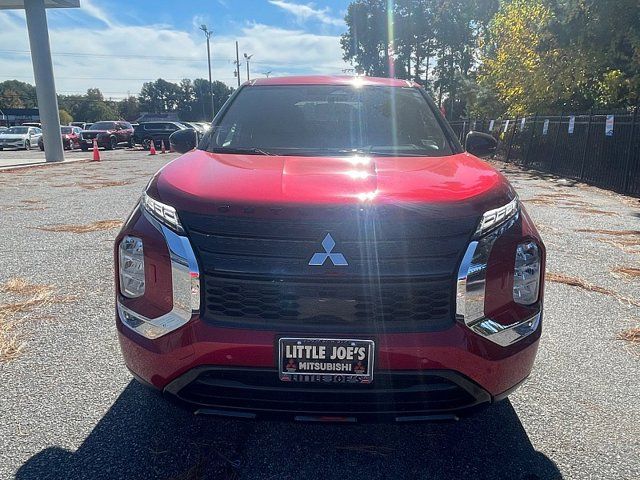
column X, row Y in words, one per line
column 331, row 360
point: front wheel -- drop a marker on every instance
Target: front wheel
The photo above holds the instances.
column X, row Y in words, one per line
column 113, row 143
column 146, row 143
column 27, row 145
column 131, row 143
column 84, row 148
column 41, row 148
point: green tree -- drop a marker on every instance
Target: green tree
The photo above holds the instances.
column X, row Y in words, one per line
column 129, row 108
column 65, row 117
column 17, row 94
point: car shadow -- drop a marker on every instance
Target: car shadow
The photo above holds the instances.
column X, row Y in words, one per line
column 143, row 436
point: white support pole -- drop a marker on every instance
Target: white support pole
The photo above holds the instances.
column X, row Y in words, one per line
column 43, row 74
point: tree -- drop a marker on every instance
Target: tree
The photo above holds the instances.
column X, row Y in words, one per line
column 129, row 108
column 17, row 94
column 515, row 65
column 201, row 105
column 434, row 42
column 65, row 117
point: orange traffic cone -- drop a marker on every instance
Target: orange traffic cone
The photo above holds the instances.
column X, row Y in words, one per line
column 163, row 150
column 96, row 152
column 152, row 148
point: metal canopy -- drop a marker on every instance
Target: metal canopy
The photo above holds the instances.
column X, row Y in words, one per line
column 19, row 4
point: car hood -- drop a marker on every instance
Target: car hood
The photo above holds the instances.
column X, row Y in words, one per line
column 198, row 181
column 98, row 131
column 14, row 136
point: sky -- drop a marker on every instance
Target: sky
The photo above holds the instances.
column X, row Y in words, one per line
column 117, row 45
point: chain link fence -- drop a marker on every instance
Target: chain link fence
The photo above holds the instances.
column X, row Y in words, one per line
column 599, row 148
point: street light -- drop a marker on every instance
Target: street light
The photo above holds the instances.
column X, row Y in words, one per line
column 247, row 58
column 266, row 74
column 208, row 33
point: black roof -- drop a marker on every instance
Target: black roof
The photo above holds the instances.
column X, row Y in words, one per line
column 30, row 112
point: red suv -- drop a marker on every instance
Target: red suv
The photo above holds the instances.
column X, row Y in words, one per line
column 329, row 252
column 108, row 135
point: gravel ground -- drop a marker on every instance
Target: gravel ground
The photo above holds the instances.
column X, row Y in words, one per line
column 70, row 410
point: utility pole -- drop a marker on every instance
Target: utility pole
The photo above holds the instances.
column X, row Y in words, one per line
column 237, row 64
column 247, row 58
column 208, row 33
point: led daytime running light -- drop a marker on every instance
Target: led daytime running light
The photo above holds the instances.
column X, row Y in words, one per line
column 165, row 213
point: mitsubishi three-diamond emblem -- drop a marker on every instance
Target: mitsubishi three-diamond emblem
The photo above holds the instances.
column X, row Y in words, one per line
column 319, row 258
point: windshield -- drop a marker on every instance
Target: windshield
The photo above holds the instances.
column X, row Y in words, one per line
column 66, row 130
column 328, row 119
column 18, row 130
column 103, row 126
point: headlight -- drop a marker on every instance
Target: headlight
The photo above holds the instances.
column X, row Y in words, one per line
column 526, row 276
column 131, row 263
column 162, row 212
column 472, row 294
column 497, row 216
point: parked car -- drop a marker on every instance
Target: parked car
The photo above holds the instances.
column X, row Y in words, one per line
column 20, row 137
column 108, row 134
column 32, row 124
column 2, row 129
column 70, row 138
column 81, row 125
column 330, row 252
column 156, row 132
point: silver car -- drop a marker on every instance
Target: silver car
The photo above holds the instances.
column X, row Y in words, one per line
column 20, row 137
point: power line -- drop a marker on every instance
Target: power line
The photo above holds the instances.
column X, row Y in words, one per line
column 134, row 56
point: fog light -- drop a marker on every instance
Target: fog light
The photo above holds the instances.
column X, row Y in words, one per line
column 131, row 262
column 526, row 276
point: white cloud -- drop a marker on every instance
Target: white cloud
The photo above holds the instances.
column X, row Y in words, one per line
column 305, row 12
column 121, row 63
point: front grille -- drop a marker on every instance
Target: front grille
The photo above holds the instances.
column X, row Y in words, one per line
column 359, row 307
column 89, row 136
column 260, row 391
column 400, row 273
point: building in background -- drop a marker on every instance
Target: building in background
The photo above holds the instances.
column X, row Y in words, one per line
column 18, row 116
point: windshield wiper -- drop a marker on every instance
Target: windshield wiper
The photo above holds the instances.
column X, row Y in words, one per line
column 241, row 150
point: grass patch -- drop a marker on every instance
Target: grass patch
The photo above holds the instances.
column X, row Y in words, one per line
column 623, row 239
column 103, row 184
column 20, row 286
column 583, row 284
column 628, row 272
column 632, row 336
column 98, row 226
column 13, row 314
column 595, row 211
column 614, row 233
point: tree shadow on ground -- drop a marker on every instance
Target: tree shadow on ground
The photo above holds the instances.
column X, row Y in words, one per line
column 143, row 436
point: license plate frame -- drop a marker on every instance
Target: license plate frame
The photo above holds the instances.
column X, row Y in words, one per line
column 360, row 370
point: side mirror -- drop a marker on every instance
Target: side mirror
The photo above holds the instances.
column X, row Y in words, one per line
column 480, row 144
column 183, row 141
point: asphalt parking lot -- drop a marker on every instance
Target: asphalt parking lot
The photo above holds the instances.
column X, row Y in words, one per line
column 70, row 409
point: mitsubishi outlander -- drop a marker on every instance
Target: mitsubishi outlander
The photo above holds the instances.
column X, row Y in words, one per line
column 330, row 252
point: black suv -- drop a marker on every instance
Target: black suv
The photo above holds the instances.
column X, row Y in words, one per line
column 157, row 132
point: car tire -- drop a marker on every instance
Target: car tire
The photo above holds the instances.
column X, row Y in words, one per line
column 41, row 147
column 84, row 148
column 1, row 148
column 113, row 143
column 27, row 145
column 131, row 143
column 146, row 143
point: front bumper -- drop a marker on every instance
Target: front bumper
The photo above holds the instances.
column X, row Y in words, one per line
column 12, row 144
column 395, row 395
column 452, row 371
